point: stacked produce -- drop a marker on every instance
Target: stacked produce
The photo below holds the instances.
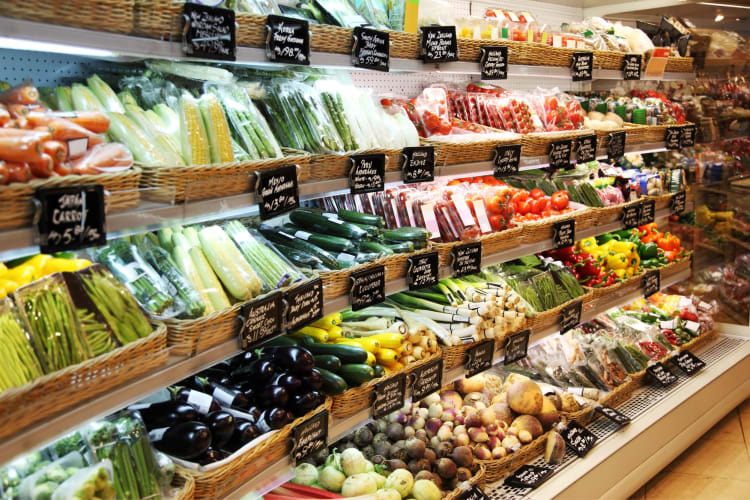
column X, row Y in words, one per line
column 106, row 459
column 668, row 246
column 38, row 142
column 222, row 409
column 614, row 252
column 608, row 112
column 195, row 271
column 314, row 239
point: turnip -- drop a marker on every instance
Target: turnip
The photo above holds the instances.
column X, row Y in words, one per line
column 400, row 480
column 359, row 484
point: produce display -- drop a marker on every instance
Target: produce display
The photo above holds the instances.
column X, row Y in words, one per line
column 609, row 112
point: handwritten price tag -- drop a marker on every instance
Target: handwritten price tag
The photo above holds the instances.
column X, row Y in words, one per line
column 260, row 319
column 389, row 395
column 278, row 191
column 71, row 218
column 209, row 32
column 439, row 44
column 371, row 49
column 288, row 40
column 310, row 436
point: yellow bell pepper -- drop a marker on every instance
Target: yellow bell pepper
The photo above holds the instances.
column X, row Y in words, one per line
column 3, row 269
column 23, row 274
column 620, row 273
column 617, row 261
column 7, row 286
column 586, row 244
column 625, row 247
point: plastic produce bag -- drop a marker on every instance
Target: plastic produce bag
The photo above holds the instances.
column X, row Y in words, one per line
column 374, row 11
column 89, row 483
column 41, row 484
column 258, row 7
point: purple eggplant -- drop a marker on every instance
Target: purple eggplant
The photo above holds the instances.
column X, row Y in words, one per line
column 293, row 359
column 186, row 440
column 221, row 424
column 272, row 395
column 244, row 432
column 273, row 418
column 202, row 402
column 314, row 380
column 210, row 456
column 288, row 381
column 165, row 413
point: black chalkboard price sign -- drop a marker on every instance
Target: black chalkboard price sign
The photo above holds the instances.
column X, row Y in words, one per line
column 507, row 160
column 287, row 40
column 631, row 66
column 612, row 414
column 209, row 32
column 479, row 357
column 439, row 44
column 260, row 319
column 688, row 362
column 559, row 154
column 570, row 316
column 367, row 287
column 278, row 191
column 493, row 62
column 582, row 66
column 578, row 438
column 586, row 148
column 422, row 270
column 528, row 476
column 304, row 304
column 564, row 233
column 371, row 49
column 687, row 136
column 678, row 203
column 631, row 215
column 389, row 395
column 310, row 436
column 71, row 218
column 516, row 346
column 615, row 145
column 647, row 213
column 418, row 164
column 367, row 174
column 427, row 379
column 661, row 374
column 467, row 259
column 673, row 137
column 651, row 282
column 473, row 493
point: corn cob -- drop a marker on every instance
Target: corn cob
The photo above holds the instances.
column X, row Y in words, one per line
column 84, row 99
column 193, row 137
column 217, row 129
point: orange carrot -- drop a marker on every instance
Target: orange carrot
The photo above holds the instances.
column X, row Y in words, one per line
column 63, row 168
column 18, row 172
column 42, row 134
column 63, row 130
column 3, row 173
column 26, row 94
column 4, row 115
column 56, row 149
column 93, row 121
column 39, row 118
column 42, row 168
column 105, row 156
column 17, row 110
column 20, row 149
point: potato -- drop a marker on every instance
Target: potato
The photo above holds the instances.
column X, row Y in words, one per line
column 525, row 397
column 548, row 416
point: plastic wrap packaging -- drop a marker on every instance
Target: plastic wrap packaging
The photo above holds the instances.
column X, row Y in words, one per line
column 315, row 123
column 341, row 13
column 18, row 346
column 374, row 11
column 44, row 482
column 88, row 483
column 435, row 12
column 258, row 7
column 108, row 158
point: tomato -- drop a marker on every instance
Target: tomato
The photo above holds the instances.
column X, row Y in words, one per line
column 550, row 103
column 546, row 213
column 534, row 217
column 520, row 196
column 541, row 205
column 445, row 127
column 536, row 193
column 526, row 207
column 559, row 200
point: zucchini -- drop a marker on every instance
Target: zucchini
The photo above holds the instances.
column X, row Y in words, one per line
column 357, row 374
column 372, row 231
column 327, row 362
column 407, row 234
column 280, row 341
column 379, row 371
column 336, row 227
column 298, row 257
column 324, row 241
column 276, row 235
column 401, row 247
column 332, row 383
column 374, row 246
column 346, row 353
column 360, row 218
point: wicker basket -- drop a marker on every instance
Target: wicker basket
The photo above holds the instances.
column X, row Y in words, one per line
column 679, row 64
column 455, row 355
column 537, row 143
column 113, row 16
column 476, row 480
column 674, row 268
column 491, row 243
column 609, row 59
column 479, row 148
column 699, row 341
column 541, row 230
column 17, row 208
column 185, row 486
column 612, row 213
column 662, row 200
column 179, row 183
column 69, row 387
column 495, row 470
column 532, row 53
column 334, row 166
column 359, row 398
column 243, row 466
column 547, row 318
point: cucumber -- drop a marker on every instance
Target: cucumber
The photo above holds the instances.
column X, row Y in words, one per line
column 401, row 247
column 357, row 374
column 276, row 235
column 298, row 257
column 374, row 246
column 407, row 234
column 346, row 353
column 324, row 241
column 307, row 219
column 379, row 371
column 360, row 218
column 332, row 383
column 327, row 362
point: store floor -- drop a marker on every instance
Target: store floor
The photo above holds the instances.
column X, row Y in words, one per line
column 716, row 466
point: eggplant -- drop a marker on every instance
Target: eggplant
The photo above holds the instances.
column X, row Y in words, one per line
column 254, row 413
column 214, row 373
column 244, row 432
column 288, row 381
column 221, row 424
column 314, row 380
column 272, row 395
column 210, row 456
column 202, row 402
column 227, row 396
column 258, row 372
column 165, row 413
column 273, row 418
column 304, row 402
column 186, row 440
column 242, row 359
column 293, row 359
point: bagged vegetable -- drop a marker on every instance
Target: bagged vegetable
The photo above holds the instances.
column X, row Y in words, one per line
column 94, row 482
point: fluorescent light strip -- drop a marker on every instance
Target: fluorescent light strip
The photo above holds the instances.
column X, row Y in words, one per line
column 20, row 44
column 728, row 5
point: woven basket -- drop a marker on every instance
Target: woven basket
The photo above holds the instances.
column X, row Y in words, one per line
column 334, row 166
column 674, row 268
column 179, row 183
column 476, row 480
column 185, row 487
column 221, row 481
column 491, row 243
column 541, row 230
column 635, row 134
column 58, row 391
column 532, row 53
column 113, row 16
column 469, row 151
column 495, row 470
column 612, row 213
column 662, row 200
column 359, row 398
column 455, row 355
column 699, row 341
column 547, row 318
column 609, row 59
column 191, row 336
column 679, row 64
column 537, row 143
column 17, row 208
column 603, row 136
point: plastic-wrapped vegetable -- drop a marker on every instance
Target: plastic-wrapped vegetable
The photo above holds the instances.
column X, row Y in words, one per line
column 44, row 482
column 94, row 482
column 250, row 128
column 375, row 11
column 20, row 363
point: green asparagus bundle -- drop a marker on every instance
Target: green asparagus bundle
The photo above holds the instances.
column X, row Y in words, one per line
column 250, row 131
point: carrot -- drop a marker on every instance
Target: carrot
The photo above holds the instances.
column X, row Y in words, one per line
column 56, row 149
column 43, row 167
column 20, row 149
column 26, row 94
column 93, row 121
column 17, row 110
column 63, row 169
column 4, row 115
column 39, row 118
column 3, row 173
column 64, row 130
column 101, row 157
column 18, row 172
column 42, row 135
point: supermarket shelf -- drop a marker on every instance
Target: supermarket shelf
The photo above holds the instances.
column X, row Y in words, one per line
column 741, row 243
column 271, row 477
column 29, row 35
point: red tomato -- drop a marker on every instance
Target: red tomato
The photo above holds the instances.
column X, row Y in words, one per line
column 559, row 200
column 550, row 103
column 536, row 193
column 520, row 196
column 526, row 207
column 540, row 205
